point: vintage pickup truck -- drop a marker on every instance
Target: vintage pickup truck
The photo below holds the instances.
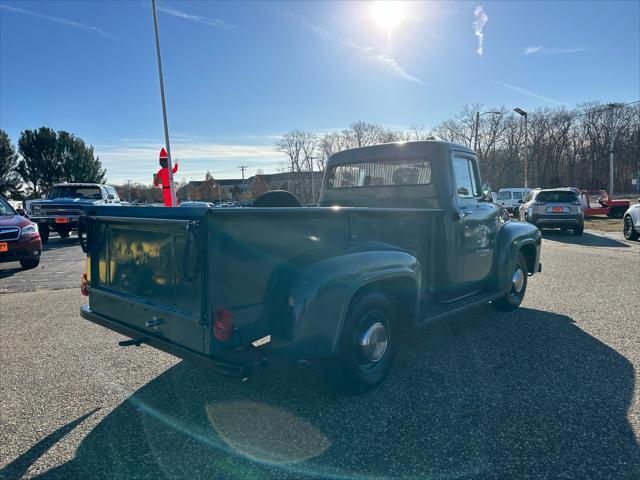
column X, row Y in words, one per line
column 60, row 210
column 403, row 237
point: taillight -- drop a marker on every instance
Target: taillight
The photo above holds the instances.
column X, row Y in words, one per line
column 223, row 325
column 84, row 285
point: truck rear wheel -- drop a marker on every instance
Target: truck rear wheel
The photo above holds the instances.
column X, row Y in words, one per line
column 513, row 298
column 367, row 345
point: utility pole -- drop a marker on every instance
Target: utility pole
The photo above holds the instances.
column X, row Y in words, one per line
column 612, row 141
column 524, row 114
column 477, row 126
column 313, row 194
column 243, row 167
column 129, row 190
column 475, row 136
column 172, row 188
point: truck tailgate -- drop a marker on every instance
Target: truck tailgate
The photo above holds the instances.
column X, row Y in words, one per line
column 145, row 272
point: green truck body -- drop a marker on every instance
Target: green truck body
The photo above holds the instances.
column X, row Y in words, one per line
column 400, row 239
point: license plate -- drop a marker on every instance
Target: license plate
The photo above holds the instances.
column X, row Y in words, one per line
column 62, row 220
column 4, row 247
column 557, row 210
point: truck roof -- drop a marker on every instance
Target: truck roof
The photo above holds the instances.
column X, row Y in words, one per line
column 78, row 185
column 434, row 149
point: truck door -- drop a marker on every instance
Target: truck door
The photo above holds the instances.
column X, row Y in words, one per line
column 476, row 229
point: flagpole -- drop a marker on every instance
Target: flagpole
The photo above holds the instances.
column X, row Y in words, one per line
column 174, row 201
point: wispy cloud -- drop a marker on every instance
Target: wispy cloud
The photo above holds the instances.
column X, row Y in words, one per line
column 137, row 158
column 212, row 22
column 539, row 50
column 381, row 57
column 530, row 94
column 478, row 25
column 63, row 21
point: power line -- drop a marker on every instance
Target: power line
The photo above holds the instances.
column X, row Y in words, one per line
column 610, row 106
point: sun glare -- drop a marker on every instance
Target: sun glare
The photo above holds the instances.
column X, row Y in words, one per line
column 388, row 14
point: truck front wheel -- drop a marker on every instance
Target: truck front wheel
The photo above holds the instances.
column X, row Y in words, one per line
column 517, row 288
column 43, row 228
column 367, row 346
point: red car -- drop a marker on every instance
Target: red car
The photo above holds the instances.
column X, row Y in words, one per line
column 19, row 238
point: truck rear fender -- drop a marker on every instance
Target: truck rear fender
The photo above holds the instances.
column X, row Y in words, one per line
column 320, row 297
column 515, row 237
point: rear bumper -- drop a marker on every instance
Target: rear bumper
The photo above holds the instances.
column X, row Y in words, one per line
column 557, row 221
column 218, row 365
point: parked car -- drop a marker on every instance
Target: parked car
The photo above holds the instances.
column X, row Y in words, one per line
column 19, row 238
column 553, row 208
column 191, row 203
column 332, row 283
column 64, row 204
column 511, row 198
column 631, row 222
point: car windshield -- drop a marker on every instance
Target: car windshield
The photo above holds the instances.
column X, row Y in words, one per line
column 557, row 197
column 380, row 173
column 5, row 208
column 504, row 195
column 88, row 193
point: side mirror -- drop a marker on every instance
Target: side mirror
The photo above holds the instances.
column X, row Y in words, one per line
column 111, row 196
column 43, row 196
column 486, row 192
column 21, row 212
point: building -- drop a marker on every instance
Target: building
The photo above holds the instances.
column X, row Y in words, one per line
column 298, row 183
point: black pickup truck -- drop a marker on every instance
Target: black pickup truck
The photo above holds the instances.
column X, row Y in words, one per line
column 403, row 236
column 60, row 210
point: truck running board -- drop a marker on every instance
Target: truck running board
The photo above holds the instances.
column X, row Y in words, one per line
column 435, row 311
column 134, row 341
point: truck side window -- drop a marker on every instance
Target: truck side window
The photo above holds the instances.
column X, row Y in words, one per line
column 466, row 185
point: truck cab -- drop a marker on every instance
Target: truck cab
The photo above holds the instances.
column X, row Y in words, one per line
column 403, row 236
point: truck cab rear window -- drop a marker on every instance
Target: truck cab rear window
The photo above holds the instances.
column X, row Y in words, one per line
column 380, row 173
column 92, row 193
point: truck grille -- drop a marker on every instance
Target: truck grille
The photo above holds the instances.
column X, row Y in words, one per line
column 9, row 233
column 60, row 211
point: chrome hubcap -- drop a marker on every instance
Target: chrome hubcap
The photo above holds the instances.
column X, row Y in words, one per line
column 518, row 280
column 373, row 342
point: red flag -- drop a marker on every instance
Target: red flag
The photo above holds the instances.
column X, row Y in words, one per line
column 163, row 154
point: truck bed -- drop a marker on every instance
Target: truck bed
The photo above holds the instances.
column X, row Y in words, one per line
column 163, row 272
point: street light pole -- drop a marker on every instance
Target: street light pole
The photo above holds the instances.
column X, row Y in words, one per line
column 172, row 188
column 524, row 114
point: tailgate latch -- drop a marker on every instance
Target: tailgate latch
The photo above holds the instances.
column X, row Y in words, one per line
column 155, row 322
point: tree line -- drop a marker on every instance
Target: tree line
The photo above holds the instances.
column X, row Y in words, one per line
column 43, row 158
column 565, row 147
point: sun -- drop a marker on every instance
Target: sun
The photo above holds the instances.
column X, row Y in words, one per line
column 388, row 14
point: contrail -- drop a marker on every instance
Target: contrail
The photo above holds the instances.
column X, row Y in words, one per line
column 478, row 25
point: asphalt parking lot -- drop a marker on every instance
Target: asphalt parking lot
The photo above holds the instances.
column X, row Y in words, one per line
column 547, row 391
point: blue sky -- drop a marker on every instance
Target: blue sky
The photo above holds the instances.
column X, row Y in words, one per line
column 238, row 75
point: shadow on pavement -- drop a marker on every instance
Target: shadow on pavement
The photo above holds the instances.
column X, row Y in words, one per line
column 525, row 394
column 56, row 243
column 20, row 465
column 586, row 239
